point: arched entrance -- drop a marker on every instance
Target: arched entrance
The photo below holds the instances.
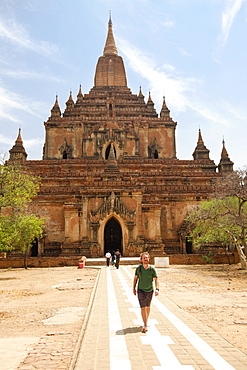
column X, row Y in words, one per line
column 112, row 236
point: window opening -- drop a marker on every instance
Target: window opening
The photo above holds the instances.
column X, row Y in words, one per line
column 107, row 152
column 110, row 109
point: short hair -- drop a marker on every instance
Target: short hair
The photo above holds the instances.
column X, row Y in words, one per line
column 142, row 254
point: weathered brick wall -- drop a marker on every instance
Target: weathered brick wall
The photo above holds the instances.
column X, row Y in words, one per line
column 179, row 259
column 160, row 192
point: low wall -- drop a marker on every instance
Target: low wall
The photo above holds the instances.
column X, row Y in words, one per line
column 175, row 259
column 197, row 259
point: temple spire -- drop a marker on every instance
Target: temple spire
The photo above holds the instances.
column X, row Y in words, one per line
column 150, row 105
column 69, row 104
column 70, row 101
column 224, row 153
column 225, row 165
column 200, row 140
column 150, row 101
column 56, row 111
column 200, row 152
column 110, row 69
column 140, row 95
column 79, row 96
column 18, row 152
column 165, row 112
column 110, row 46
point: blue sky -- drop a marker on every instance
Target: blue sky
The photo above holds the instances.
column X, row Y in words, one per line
column 193, row 52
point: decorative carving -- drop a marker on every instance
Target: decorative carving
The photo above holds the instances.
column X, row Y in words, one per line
column 94, row 225
column 66, row 150
column 154, row 149
column 111, row 204
column 130, row 225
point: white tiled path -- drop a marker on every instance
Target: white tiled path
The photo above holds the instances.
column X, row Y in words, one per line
column 174, row 341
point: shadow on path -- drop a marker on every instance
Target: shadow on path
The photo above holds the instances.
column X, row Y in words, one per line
column 129, row 330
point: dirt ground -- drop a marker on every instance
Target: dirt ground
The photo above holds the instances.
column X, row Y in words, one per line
column 41, row 314
column 34, row 301
column 215, row 294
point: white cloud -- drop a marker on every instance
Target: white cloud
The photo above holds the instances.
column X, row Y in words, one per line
column 29, row 75
column 210, row 114
column 11, row 102
column 167, row 23
column 6, row 140
column 237, row 112
column 229, row 13
column 14, row 32
column 33, row 143
column 180, row 92
column 28, row 144
column 168, row 67
column 160, row 81
column 185, row 52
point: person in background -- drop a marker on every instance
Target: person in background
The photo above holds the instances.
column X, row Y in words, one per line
column 145, row 274
column 113, row 258
column 118, row 256
column 108, row 257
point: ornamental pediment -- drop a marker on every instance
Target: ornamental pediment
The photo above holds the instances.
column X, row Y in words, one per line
column 112, row 204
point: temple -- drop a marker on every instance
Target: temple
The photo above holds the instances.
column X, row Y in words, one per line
column 110, row 177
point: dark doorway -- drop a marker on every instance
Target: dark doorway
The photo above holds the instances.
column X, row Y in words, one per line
column 112, row 236
column 188, row 246
column 110, row 110
column 107, row 152
column 34, row 248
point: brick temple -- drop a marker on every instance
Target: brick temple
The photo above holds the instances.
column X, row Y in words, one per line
column 110, row 178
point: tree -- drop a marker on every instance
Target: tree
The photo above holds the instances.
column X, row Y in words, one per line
column 17, row 187
column 28, row 228
column 18, row 227
column 224, row 218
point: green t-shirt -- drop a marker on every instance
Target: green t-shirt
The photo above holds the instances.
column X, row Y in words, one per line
column 145, row 278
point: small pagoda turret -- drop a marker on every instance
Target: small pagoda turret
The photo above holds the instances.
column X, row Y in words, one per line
column 225, row 165
column 56, row 111
column 200, row 152
column 18, row 152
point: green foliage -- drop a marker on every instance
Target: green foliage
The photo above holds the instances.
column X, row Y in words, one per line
column 218, row 221
column 27, row 227
column 208, row 258
column 18, row 231
column 18, row 228
column 7, row 231
column 17, row 187
column 223, row 220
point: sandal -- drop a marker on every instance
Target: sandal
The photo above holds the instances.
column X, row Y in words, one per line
column 144, row 329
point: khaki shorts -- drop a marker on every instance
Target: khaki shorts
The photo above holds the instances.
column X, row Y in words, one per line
column 144, row 298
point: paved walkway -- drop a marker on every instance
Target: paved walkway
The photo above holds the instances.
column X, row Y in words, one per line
column 112, row 338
